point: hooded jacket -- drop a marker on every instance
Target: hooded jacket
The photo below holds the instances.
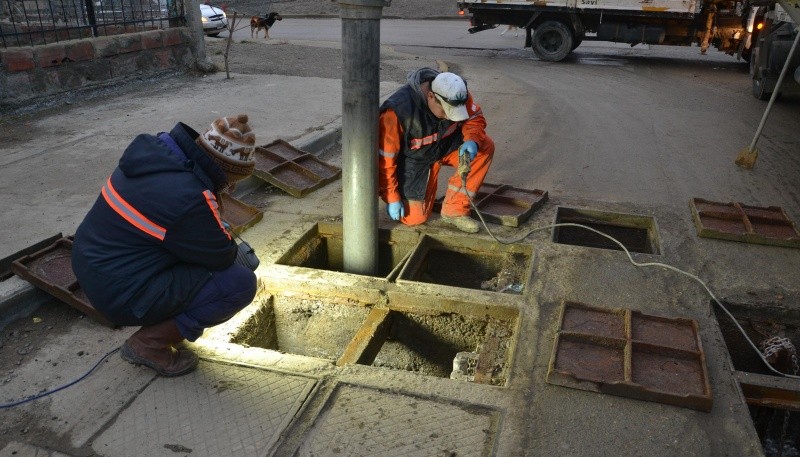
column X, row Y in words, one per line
column 411, row 138
column 154, row 234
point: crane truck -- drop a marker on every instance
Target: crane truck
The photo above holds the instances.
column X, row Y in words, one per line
column 760, row 32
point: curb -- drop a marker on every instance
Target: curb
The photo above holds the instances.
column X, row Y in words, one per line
column 20, row 299
column 317, row 142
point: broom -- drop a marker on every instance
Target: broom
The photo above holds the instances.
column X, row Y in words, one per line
column 747, row 157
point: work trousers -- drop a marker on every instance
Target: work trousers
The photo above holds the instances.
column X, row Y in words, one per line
column 222, row 296
column 456, row 202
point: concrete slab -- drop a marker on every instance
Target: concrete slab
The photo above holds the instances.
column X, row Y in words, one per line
column 360, row 421
column 55, row 355
column 17, row 449
column 217, row 410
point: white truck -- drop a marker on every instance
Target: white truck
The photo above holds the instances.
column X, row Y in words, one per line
column 758, row 31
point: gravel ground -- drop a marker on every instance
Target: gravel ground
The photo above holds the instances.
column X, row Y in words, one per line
column 249, row 57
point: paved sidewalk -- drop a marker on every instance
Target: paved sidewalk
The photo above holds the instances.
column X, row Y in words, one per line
column 248, row 400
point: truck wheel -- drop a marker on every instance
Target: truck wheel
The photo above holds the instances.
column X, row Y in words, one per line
column 552, row 41
column 759, row 91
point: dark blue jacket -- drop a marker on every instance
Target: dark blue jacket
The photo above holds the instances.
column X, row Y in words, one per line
column 154, row 234
column 418, row 122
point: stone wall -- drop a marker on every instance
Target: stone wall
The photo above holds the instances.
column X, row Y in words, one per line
column 44, row 75
column 30, row 73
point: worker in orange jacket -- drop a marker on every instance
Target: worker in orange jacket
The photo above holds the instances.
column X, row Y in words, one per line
column 429, row 122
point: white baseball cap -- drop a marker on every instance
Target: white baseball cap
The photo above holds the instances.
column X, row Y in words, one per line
column 451, row 91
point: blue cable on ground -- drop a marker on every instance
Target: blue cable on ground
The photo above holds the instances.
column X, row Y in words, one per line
column 50, row 392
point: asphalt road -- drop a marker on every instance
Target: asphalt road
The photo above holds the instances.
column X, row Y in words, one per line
column 649, row 125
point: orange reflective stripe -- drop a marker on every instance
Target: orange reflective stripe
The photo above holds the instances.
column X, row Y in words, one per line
column 417, row 143
column 211, row 200
column 130, row 214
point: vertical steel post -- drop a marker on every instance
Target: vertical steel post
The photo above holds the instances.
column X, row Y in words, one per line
column 360, row 79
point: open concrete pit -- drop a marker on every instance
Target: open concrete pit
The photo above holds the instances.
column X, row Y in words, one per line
column 303, row 325
column 322, row 248
column 429, row 344
column 636, row 233
column 406, row 255
column 469, row 263
column 774, row 400
column 423, row 341
column 421, row 332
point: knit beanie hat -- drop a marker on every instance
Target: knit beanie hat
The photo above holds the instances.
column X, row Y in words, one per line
column 231, row 143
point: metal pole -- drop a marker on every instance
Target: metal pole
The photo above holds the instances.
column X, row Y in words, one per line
column 360, row 79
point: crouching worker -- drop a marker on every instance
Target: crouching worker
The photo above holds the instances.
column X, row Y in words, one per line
column 430, row 122
column 154, row 252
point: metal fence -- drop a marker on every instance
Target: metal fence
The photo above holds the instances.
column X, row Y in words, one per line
column 36, row 22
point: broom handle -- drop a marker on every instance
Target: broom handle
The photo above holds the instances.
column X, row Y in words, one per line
column 775, row 92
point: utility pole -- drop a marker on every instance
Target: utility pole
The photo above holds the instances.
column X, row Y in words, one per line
column 360, row 82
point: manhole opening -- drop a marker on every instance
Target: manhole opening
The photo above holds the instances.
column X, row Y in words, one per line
column 322, row 248
column 470, row 264
column 448, row 345
column 760, row 322
column 303, row 325
column 774, row 400
column 636, row 233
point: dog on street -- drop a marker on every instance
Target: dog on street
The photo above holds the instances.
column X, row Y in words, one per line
column 263, row 22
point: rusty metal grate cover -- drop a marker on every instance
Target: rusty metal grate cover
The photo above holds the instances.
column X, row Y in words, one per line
column 630, row 354
column 238, row 214
column 748, row 224
column 291, row 169
column 504, row 204
column 50, row 269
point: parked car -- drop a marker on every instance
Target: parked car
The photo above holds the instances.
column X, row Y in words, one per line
column 214, row 20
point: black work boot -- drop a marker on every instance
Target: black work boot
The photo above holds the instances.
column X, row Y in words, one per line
column 153, row 347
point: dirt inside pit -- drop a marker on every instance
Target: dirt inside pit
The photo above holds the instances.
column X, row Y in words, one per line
column 418, row 342
column 427, row 344
column 473, row 270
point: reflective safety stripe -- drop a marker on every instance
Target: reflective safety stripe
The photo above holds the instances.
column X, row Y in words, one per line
column 211, row 200
column 461, row 189
column 416, row 143
column 388, row 155
column 130, row 214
